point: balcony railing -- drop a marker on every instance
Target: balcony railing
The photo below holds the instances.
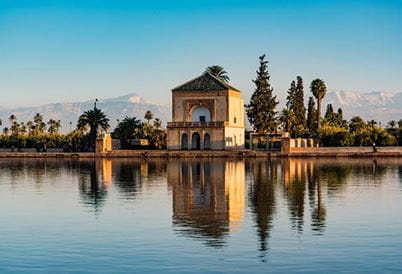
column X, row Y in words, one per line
column 196, row 124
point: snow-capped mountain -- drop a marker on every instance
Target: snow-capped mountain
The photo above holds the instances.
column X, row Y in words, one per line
column 115, row 108
column 378, row 105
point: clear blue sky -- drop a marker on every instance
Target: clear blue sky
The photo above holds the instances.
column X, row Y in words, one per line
column 72, row 50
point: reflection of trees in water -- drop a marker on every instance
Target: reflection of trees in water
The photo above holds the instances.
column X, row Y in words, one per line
column 130, row 176
column 262, row 199
column 334, row 175
column 400, row 175
column 318, row 214
column 294, row 175
column 371, row 169
column 38, row 170
column 319, row 175
column 93, row 192
column 200, row 207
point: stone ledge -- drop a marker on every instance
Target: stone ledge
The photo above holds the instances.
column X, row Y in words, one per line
column 245, row 153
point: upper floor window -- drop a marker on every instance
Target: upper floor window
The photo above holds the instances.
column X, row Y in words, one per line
column 200, row 114
column 235, row 120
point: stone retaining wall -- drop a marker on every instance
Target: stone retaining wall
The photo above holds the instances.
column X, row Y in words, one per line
column 295, row 152
column 345, row 151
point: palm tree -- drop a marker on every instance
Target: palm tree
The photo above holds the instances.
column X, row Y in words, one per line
column 30, row 126
column 318, row 89
column 12, row 118
column 39, row 126
column 125, row 130
column 38, row 118
column 95, row 119
column 219, row 72
column 148, row 116
column 287, row 118
column 15, row 128
column 157, row 123
column 54, row 126
column 23, row 128
column 392, row 124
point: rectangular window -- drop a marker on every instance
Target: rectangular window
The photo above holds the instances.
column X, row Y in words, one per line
column 234, row 120
column 202, row 118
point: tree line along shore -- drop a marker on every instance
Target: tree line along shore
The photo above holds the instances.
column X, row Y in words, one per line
column 296, row 118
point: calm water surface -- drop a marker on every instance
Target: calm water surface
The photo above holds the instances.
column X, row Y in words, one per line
column 218, row 215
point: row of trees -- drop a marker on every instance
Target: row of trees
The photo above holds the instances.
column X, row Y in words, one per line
column 299, row 121
column 131, row 129
column 42, row 135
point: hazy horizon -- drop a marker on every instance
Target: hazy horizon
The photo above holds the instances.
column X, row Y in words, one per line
column 67, row 51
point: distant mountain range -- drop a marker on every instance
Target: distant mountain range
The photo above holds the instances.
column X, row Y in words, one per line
column 377, row 105
column 115, row 108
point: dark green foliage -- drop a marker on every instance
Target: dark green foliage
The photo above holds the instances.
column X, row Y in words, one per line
column 287, row 119
column 295, row 103
column 219, row 72
column 126, row 129
column 94, row 119
column 148, row 116
column 318, row 89
column 132, row 129
column 329, row 111
column 261, row 110
column 291, row 95
column 356, row 133
column 311, row 117
column 338, row 137
column 334, row 119
column 299, row 109
column 395, row 130
column 81, row 139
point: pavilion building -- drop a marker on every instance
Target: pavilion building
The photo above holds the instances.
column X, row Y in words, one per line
column 207, row 113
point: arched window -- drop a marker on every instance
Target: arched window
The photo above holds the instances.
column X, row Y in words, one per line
column 184, row 141
column 195, row 141
column 207, row 141
column 200, row 114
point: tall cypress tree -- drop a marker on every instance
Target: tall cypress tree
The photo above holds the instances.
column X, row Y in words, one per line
column 299, row 108
column 295, row 103
column 291, row 96
column 311, row 116
column 329, row 111
column 261, row 110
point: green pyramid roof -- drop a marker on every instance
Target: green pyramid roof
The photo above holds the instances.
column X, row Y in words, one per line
column 205, row 82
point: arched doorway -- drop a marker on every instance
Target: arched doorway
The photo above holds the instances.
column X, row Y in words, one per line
column 195, row 141
column 184, row 141
column 207, row 141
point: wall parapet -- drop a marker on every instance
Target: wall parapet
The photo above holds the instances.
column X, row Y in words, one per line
column 196, row 124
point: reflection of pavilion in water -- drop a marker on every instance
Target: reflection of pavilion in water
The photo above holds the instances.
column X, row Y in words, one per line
column 208, row 197
column 93, row 186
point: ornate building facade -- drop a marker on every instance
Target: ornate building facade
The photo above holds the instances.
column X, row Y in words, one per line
column 207, row 113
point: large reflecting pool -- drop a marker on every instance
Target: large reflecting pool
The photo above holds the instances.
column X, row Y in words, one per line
column 220, row 215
